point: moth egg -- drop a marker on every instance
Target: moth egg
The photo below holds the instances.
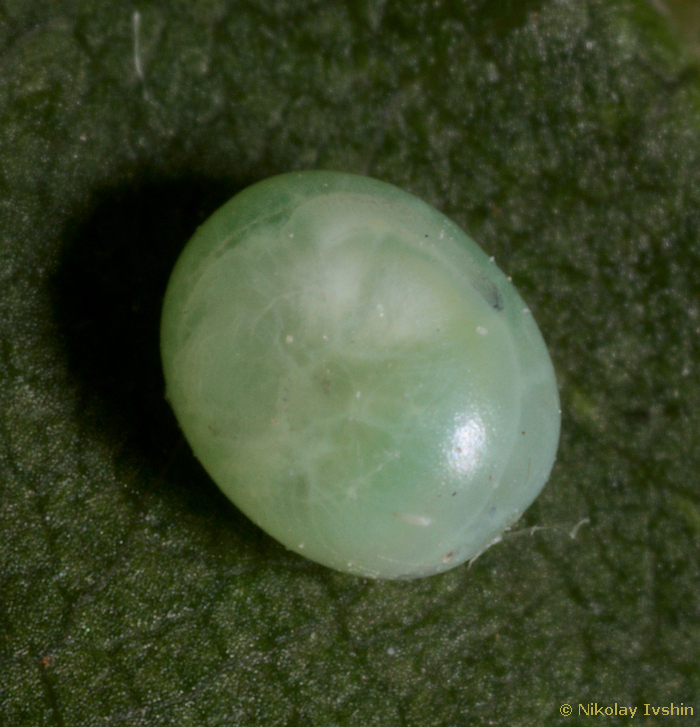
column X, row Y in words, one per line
column 357, row 376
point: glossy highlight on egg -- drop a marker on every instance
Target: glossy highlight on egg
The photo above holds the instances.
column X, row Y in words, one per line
column 357, row 376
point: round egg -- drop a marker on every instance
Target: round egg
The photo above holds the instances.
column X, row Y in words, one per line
column 357, row 376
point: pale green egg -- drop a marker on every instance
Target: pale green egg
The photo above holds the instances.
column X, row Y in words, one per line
column 357, row 376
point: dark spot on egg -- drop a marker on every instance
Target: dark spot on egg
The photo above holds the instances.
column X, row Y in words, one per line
column 489, row 292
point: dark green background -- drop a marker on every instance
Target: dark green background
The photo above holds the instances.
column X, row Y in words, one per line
column 564, row 136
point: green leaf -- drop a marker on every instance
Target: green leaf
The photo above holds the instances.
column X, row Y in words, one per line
column 564, row 137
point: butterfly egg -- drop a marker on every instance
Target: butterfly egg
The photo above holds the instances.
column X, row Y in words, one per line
column 357, row 376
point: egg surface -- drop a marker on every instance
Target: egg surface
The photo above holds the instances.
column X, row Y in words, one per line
column 357, row 376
